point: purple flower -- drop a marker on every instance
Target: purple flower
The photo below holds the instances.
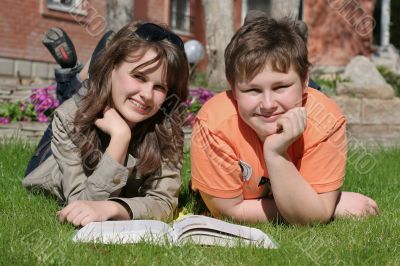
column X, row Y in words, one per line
column 43, row 99
column 42, row 118
column 201, row 94
column 52, row 88
column 4, row 120
column 56, row 103
column 189, row 121
column 22, row 106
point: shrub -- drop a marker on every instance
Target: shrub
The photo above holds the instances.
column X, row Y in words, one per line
column 328, row 85
column 392, row 78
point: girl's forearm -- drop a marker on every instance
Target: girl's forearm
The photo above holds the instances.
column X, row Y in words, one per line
column 118, row 149
column 296, row 200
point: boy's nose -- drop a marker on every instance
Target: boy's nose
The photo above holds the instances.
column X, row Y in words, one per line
column 268, row 102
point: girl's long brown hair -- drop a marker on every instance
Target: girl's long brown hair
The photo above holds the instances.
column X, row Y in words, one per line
column 155, row 140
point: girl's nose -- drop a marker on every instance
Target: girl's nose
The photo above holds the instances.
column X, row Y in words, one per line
column 146, row 91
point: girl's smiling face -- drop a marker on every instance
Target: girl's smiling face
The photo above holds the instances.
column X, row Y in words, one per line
column 138, row 96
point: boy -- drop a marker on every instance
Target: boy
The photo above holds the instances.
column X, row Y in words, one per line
column 272, row 147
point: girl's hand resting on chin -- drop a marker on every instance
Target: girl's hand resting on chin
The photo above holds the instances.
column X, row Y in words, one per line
column 113, row 124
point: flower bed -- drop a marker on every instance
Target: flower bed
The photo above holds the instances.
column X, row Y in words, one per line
column 39, row 107
column 28, row 119
column 197, row 97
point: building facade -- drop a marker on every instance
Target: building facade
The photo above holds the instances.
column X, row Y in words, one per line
column 338, row 29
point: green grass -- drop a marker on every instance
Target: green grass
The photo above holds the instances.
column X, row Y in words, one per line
column 30, row 233
column 392, row 78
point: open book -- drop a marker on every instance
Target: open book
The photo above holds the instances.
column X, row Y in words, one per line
column 196, row 229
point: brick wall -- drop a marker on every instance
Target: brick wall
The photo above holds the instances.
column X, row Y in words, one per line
column 339, row 30
column 23, row 23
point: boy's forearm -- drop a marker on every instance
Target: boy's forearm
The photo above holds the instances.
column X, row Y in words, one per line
column 296, row 200
column 255, row 211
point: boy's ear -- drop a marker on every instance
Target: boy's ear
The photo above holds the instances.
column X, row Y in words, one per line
column 305, row 85
column 233, row 89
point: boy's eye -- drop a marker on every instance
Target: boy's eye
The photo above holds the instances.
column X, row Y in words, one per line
column 280, row 88
column 139, row 77
column 251, row 90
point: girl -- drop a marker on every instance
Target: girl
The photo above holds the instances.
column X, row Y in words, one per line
column 117, row 145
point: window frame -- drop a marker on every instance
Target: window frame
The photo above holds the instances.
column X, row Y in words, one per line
column 173, row 17
column 78, row 7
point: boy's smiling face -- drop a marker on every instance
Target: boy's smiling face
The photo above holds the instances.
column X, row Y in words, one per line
column 264, row 99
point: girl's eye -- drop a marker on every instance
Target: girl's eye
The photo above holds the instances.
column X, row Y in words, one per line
column 160, row 88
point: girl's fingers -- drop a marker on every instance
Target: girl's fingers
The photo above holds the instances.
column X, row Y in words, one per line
column 62, row 215
column 69, row 212
column 87, row 220
column 79, row 218
column 106, row 109
column 98, row 122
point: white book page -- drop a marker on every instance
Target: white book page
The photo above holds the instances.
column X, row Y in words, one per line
column 123, row 232
column 203, row 225
column 219, row 240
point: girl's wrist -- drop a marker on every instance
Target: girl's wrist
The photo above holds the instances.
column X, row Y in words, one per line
column 118, row 211
column 120, row 137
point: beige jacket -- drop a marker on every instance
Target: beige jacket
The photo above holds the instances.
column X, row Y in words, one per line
column 62, row 174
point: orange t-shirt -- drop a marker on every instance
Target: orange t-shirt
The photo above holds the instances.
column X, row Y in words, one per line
column 227, row 156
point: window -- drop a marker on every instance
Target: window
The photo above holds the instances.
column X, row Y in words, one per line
column 70, row 6
column 247, row 5
column 180, row 15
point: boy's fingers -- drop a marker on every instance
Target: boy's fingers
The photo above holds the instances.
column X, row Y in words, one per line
column 305, row 117
column 290, row 125
column 283, row 123
column 375, row 207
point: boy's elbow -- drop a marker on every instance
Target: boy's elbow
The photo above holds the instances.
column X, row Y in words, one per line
column 219, row 207
column 307, row 220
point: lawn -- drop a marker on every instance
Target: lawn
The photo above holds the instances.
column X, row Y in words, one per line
column 31, row 235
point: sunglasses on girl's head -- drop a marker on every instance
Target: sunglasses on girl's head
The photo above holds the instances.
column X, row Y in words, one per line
column 153, row 33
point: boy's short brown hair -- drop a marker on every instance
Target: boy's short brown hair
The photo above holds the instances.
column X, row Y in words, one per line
column 263, row 40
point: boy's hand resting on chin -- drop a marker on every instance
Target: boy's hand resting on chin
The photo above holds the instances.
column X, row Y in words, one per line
column 290, row 126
